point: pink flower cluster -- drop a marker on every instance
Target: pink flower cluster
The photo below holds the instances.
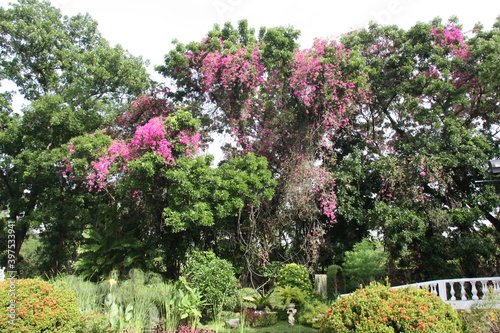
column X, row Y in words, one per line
column 259, row 106
column 318, row 81
column 329, row 205
column 451, row 37
column 191, row 142
column 239, row 70
column 150, row 137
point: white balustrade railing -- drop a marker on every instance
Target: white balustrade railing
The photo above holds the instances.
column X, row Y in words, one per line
column 460, row 293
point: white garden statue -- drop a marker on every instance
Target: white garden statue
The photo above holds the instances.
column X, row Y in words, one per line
column 291, row 313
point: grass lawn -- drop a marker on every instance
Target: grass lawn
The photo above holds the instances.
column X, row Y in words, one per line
column 280, row 327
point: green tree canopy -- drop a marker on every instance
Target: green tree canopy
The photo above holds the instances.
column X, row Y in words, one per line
column 73, row 82
column 386, row 129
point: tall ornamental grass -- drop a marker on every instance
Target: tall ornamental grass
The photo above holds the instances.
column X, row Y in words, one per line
column 140, row 303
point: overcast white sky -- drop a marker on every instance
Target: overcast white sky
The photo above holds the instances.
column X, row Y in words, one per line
column 147, row 27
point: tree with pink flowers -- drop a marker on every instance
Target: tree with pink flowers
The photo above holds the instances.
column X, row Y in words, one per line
column 384, row 130
column 423, row 141
column 285, row 104
column 165, row 197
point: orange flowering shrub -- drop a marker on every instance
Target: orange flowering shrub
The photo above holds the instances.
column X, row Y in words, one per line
column 35, row 306
column 380, row 309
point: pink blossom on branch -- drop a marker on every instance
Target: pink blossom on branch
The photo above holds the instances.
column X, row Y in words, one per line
column 320, row 84
column 451, row 38
column 154, row 136
column 145, row 108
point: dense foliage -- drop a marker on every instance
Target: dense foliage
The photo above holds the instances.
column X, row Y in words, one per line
column 215, row 279
column 383, row 132
column 387, row 130
column 74, row 83
column 365, row 263
column 294, row 275
column 378, row 308
column 282, row 103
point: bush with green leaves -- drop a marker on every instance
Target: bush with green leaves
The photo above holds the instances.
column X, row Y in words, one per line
column 37, row 307
column 335, row 283
column 381, row 309
column 215, row 279
column 289, row 294
column 295, row 275
column 365, row 263
column 312, row 313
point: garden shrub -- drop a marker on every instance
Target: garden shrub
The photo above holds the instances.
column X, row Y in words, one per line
column 294, row 275
column 311, row 313
column 335, row 284
column 364, row 264
column 39, row 307
column 215, row 279
column 289, row 294
column 381, row 309
column 255, row 318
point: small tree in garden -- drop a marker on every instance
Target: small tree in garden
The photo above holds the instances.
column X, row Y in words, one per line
column 293, row 284
column 215, row 279
column 335, row 284
column 365, row 263
column 294, row 275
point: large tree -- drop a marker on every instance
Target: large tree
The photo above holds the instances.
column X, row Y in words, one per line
column 163, row 199
column 425, row 136
column 73, row 82
column 387, row 130
column 281, row 103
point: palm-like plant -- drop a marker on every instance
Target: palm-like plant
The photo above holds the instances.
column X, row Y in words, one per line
column 261, row 301
column 289, row 294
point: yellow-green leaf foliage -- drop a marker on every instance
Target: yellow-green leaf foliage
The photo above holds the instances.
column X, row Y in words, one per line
column 381, row 309
column 35, row 306
column 294, row 275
